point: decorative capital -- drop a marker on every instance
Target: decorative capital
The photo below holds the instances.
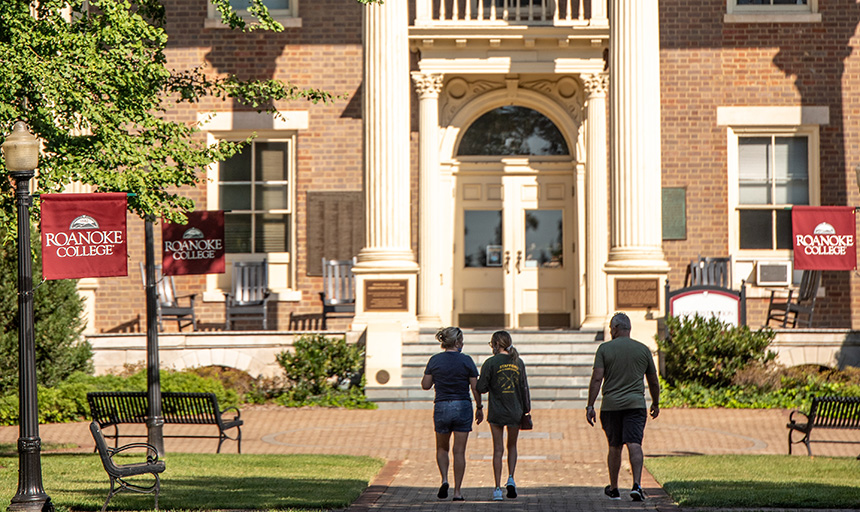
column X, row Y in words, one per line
column 428, row 85
column 596, row 84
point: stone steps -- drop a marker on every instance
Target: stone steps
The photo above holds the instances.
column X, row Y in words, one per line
column 558, row 365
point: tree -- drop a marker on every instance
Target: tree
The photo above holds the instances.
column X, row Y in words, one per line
column 90, row 77
column 57, row 308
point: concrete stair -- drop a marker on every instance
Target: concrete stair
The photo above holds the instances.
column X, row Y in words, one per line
column 558, row 364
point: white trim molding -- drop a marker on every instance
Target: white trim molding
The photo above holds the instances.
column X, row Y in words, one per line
column 772, row 116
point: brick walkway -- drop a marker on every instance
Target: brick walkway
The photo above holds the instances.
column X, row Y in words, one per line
column 561, row 466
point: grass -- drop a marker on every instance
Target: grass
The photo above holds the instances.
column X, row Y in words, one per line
column 77, row 482
column 752, row 481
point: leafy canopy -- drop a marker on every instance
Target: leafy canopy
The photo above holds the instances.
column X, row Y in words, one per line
column 90, row 77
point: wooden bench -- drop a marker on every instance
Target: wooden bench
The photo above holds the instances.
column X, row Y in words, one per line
column 827, row 412
column 339, row 288
column 110, row 409
column 118, row 473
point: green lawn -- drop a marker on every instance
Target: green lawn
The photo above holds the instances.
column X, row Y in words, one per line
column 752, row 481
column 77, row 481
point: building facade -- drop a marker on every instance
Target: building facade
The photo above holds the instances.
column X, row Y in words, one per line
column 519, row 164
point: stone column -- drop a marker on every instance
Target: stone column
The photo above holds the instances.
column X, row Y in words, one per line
column 429, row 255
column 596, row 200
column 635, row 253
column 386, row 272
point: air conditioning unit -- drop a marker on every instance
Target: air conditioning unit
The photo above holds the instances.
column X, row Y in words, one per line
column 773, row 273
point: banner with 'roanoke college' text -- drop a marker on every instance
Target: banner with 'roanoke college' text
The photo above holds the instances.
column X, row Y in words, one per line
column 196, row 247
column 824, row 237
column 84, row 235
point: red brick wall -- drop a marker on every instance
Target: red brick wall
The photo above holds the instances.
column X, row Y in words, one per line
column 706, row 63
column 324, row 53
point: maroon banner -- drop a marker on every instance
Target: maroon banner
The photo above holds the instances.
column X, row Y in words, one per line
column 84, row 235
column 196, row 247
column 824, row 237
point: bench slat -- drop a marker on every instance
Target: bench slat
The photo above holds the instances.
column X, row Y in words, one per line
column 118, row 407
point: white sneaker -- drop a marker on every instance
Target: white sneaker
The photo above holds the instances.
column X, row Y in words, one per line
column 497, row 494
column 512, row 487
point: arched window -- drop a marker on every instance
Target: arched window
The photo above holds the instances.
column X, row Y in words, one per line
column 513, row 131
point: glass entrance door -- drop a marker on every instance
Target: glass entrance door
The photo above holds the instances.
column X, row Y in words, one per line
column 514, row 260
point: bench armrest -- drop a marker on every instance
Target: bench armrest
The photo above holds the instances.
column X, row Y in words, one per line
column 233, row 408
column 151, row 456
column 791, row 416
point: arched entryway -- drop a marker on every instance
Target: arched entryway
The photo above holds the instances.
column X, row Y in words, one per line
column 515, row 220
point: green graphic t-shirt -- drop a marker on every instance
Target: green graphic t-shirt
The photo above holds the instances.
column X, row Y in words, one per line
column 506, row 382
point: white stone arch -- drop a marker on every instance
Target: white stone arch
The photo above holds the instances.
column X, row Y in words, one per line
column 229, row 357
column 488, row 101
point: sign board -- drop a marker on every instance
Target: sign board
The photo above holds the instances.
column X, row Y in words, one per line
column 196, row 247
column 823, row 237
column 84, row 235
column 707, row 302
column 386, row 295
column 637, row 293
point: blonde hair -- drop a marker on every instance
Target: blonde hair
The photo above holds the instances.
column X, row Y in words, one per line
column 502, row 340
column 449, row 337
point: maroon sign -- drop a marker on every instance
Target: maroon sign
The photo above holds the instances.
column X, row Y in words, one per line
column 824, row 237
column 84, row 235
column 196, row 247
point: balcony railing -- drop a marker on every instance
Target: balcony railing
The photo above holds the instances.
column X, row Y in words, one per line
column 511, row 12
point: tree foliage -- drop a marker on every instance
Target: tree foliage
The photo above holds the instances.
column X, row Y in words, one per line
column 57, row 309
column 90, row 77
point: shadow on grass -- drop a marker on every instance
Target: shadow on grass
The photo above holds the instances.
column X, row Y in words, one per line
column 77, row 481
column 747, row 494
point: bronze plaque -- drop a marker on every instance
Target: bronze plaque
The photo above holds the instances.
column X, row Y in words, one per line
column 637, row 293
column 386, row 295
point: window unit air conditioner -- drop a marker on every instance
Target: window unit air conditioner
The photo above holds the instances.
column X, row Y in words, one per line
column 773, row 273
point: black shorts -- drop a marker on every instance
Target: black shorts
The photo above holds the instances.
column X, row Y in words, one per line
column 624, row 426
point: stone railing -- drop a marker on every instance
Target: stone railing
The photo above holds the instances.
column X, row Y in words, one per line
column 511, row 12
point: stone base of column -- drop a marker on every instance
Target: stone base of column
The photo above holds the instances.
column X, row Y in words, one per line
column 636, row 286
column 383, row 360
column 596, row 322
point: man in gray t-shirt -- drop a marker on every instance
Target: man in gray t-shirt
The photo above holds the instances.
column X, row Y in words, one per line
column 619, row 366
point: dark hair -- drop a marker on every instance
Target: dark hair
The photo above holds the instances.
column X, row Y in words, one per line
column 502, row 340
column 449, row 337
column 621, row 321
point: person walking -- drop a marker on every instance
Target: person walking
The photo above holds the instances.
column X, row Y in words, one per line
column 453, row 374
column 503, row 376
column 619, row 365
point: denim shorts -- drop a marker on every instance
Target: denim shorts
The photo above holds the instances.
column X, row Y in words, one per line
column 452, row 416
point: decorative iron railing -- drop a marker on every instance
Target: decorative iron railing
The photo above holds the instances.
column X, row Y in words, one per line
column 536, row 12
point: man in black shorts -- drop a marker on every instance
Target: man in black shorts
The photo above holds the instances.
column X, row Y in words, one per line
column 619, row 365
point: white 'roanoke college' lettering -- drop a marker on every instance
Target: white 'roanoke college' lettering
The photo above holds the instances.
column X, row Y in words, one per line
column 82, row 244
column 825, row 245
column 193, row 249
column 83, row 238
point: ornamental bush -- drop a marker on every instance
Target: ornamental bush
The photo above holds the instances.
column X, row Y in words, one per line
column 709, row 352
column 323, row 371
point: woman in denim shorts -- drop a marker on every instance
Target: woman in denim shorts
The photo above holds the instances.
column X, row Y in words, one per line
column 453, row 374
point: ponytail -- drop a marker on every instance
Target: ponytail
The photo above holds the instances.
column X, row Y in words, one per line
column 502, row 340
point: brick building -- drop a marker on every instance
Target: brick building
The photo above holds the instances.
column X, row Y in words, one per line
column 518, row 177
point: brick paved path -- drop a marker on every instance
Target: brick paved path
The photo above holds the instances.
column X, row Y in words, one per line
column 561, row 467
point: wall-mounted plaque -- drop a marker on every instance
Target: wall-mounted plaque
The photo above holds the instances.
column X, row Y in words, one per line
column 674, row 213
column 386, row 295
column 637, row 293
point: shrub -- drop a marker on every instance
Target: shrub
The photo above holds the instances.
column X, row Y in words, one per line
column 57, row 313
column 323, row 371
column 710, row 352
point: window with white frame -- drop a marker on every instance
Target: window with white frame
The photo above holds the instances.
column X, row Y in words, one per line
column 773, row 175
column 285, row 12
column 770, row 170
column 254, row 190
column 772, row 11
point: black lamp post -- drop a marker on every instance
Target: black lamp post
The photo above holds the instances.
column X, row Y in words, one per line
column 21, row 151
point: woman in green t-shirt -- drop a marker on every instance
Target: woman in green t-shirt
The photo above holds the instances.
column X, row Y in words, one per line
column 503, row 376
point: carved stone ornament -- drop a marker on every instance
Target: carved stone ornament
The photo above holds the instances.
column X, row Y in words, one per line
column 427, row 85
column 596, row 84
